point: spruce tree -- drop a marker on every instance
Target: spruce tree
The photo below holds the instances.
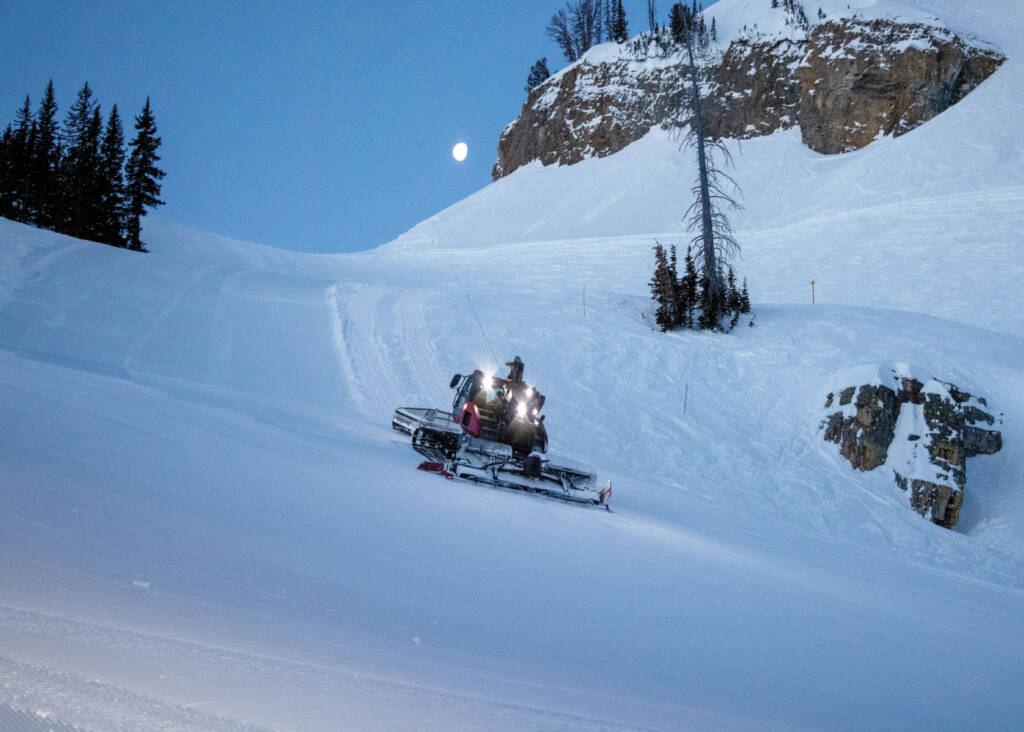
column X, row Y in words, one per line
column 142, row 176
column 19, row 164
column 538, row 73
column 661, row 288
column 111, row 214
column 732, row 292
column 94, row 190
column 677, row 22
column 709, row 314
column 689, row 288
column 676, row 310
column 620, row 30
column 80, row 165
column 44, row 199
column 6, row 146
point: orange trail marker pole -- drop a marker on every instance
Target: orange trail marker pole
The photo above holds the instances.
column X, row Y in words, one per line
column 812, row 292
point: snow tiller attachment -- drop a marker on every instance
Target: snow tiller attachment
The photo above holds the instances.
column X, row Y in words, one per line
column 493, row 435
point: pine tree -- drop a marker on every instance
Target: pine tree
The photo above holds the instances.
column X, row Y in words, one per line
column 111, row 214
column 708, row 319
column 6, row 147
column 538, row 73
column 80, row 166
column 689, row 288
column 714, row 32
column 15, row 193
column 661, row 288
column 44, row 199
column 93, row 194
column 678, row 22
column 744, row 298
column 142, row 176
column 620, row 28
column 675, row 293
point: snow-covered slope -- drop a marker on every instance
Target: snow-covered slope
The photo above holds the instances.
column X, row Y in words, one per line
column 207, row 523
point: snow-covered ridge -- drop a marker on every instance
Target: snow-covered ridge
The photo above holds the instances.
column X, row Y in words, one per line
column 845, row 79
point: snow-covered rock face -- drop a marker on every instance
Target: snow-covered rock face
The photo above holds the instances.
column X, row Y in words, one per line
column 862, row 79
column 844, row 81
column 923, row 431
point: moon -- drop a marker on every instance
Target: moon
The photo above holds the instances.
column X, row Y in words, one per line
column 460, row 151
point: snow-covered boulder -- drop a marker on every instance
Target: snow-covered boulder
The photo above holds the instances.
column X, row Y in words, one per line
column 922, row 431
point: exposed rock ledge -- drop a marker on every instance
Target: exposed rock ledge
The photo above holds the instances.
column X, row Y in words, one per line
column 845, row 83
column 923, row 431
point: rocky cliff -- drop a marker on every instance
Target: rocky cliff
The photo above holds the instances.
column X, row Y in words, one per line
column 924, row 431
column 844, row 82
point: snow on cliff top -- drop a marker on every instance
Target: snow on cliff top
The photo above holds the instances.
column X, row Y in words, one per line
column 996, row 25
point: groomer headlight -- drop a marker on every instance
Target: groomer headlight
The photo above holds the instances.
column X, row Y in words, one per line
column 521, row 411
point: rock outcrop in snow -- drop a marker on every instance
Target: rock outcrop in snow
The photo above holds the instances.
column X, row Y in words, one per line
column 845, row 82
column 862, row 79
column 924, row 431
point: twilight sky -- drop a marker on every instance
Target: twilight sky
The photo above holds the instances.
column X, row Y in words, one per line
column 310, row 125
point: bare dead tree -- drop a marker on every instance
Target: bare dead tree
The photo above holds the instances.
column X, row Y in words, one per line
column 713, row 235
column 560, row 31
column 586, row 16
column 577, row 27
column 652, row 14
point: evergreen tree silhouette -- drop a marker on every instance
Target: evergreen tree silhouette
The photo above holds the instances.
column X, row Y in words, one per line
column 19, row 165
column 6, row 176
column 111, row 214
column 690, row 284
column 80, row 167
column 142, row 176
column 661, row 288
column 44, row 199
column 619, row 32
column 538, row 73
